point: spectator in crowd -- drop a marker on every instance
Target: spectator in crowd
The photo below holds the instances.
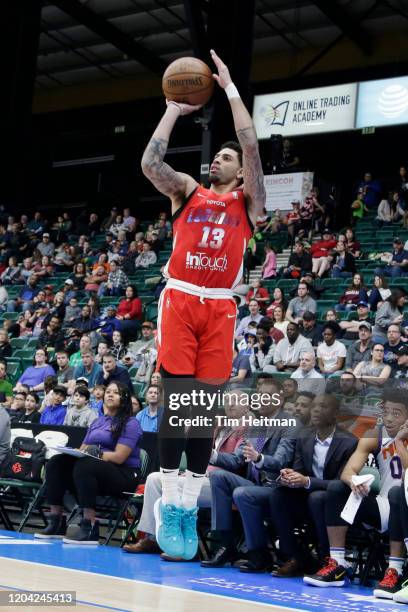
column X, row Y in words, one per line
column 57, row 308
column 350, row 328
column 136, row 350
column 94, row 305
column 103, row 348
column 270, row 263
column 299, row 262
column 393, row 344
column 278, row 300
column 78, row 276
column 54, row 413
column 293, row 222
column 147, row 365
column 25, row 299
column 289, row 391
column 306, row 375
column 136, row 405
column 94, row 280
column 31, row 413
column 96, row 399
column 361, row 349
column 373, row 373
column 379, row 293
column 331, row 353
column 84, row 345
column 84, row 323
column 114, row 438
column 263, row 457
column 79, row 413
column 5, row 346
column 279, row 319
column 391, row 311
column 146, row 258
column 299, row 305
column 289, row 350
column 6, row 388
column 303, row 407
column 257, row 292
column 371, row 189
column 373, row 510
column 388, row 210
column 52, row 336
column 117, row 280
column 17, row 405
column 4, row 434
column 241, row 369
column 150, row 417
column 34, row 375
column 46, row 247
column 65, row 372
column 398, row 265
column 262, row 354
column 358, row 208
column 11, row 275
column 400, row 372
column 254, row 315
column 353, row 294
column 129, row 312
column 304, row 486
column 89, row 369
column 343, row 264
column 72, row 312
column 4, row 298
column 310, row 330
column 352, row 245
column 320, row 252
column 350, row 400
column 112, row 373
column 118, row 348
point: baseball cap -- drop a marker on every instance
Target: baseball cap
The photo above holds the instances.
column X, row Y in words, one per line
column 148, row 324
column 365, row 324
column 327, row 231
column 82, row 380
column 402, row 350
column 69, row 281
column 111, row 307
column 46, row 235
column 397, row 240
column 362, row 303
column 309, row 316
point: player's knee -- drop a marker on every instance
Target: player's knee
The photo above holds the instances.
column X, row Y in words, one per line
column 394, row 495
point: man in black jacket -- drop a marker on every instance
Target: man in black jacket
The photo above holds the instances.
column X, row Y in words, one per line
column 299, row 262
column 321, row 453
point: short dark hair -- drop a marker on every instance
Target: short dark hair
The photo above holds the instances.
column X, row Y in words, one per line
column 235, row 146
column 309, row 316
column 307, row 394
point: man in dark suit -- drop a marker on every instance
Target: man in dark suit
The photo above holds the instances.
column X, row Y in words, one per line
column 321, row 453
column 264, row 453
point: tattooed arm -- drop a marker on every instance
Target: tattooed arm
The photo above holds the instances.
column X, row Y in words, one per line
column 175, row 185
column 254, row 189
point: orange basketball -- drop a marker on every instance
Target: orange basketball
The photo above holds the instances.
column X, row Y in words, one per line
column 188, row 80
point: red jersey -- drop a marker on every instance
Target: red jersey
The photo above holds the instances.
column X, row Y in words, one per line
column 211, row 234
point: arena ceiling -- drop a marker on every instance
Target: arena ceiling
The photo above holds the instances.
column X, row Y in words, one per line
column 88, row 41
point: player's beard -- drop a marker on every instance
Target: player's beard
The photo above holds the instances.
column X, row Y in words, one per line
column 214, row 178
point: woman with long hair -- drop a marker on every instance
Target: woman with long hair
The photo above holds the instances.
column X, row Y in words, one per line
column 352, row 245
column 379, row 293
column 78, row 276
column 278, row 300
column 391, row 311
column 353, row 294
column 113, row 466
column 129, row 313
column 279, row 321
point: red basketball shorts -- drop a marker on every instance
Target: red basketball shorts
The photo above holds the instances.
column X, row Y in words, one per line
column 195, row 338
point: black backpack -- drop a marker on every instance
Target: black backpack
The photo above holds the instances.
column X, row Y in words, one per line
column 25, row 460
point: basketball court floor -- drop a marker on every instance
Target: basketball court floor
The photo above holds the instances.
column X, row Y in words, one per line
column 106, row 578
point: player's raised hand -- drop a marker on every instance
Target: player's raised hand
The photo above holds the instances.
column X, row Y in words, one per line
column 185, row 109
column 223, row 77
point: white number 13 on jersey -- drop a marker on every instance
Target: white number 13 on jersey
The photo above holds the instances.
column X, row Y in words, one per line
column 217, row 236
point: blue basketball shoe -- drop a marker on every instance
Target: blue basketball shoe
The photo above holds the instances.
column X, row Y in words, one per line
column 189, row 530
column 169, row 535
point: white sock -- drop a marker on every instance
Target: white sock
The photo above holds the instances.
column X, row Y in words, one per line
column 191, row 490
column 338, row 554
column 396, row 563
column 170, row 491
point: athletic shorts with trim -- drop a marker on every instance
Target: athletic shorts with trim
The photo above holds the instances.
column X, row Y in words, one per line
column 196, row 338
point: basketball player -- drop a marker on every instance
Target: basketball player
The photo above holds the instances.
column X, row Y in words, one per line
column 197, row 313
column 382, row 511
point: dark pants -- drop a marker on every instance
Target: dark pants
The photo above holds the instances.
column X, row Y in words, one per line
column 226, row 489
column 254, row 504
column 292, row 507
column 86, row 478
column 173, row 439
column 368, row 512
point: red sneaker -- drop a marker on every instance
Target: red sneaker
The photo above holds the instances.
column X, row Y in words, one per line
column 331, row 574
column 390, row 584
